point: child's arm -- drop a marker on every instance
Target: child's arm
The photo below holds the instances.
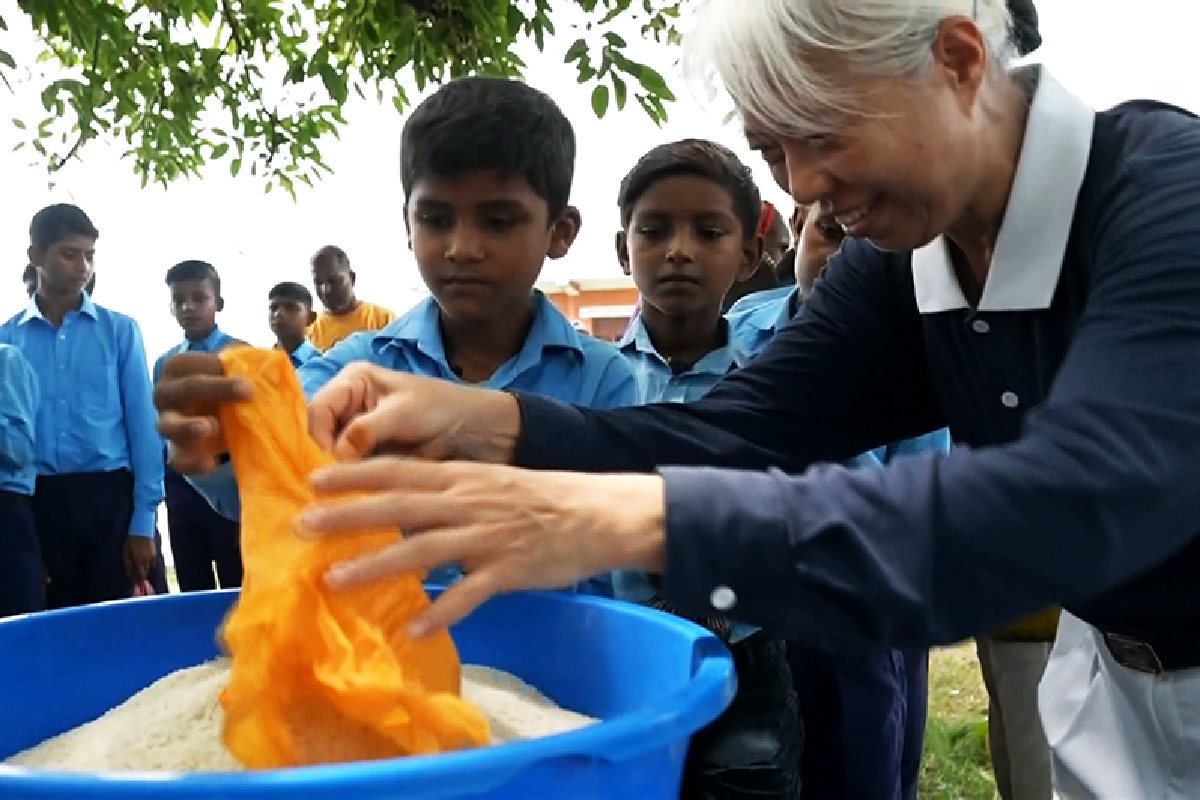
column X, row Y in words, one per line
column 18, row 410
column 145, row 445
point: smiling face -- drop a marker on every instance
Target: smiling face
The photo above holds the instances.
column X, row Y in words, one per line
column 818, row 240
column 906, row 171
column 480, row 241
column 684, row 246
column 65, row 267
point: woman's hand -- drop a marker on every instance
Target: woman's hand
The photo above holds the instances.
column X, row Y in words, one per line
column 192, row 388
column 510, row 528
column 367, row 410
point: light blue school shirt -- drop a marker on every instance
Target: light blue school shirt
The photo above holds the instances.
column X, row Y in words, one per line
column 556, row 361
column 18, row 413
column 304, row 353
column 96, row 413
column 214, row 342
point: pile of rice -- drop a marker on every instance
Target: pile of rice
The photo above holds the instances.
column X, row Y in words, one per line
column 174, row 725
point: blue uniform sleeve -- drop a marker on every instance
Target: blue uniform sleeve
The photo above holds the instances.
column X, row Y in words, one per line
column 18, row 410
column 936, row 442
column 156, row 373
column 1102, row 485
column 219, row 488
column 145, row 445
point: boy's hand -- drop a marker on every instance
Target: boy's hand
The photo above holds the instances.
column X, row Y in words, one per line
column 192, row 387
column 139, row 554
column 367, row 410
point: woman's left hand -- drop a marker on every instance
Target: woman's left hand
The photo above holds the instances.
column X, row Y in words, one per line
column 509, row 528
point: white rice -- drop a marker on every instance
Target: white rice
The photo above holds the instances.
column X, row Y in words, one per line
column 174, row 725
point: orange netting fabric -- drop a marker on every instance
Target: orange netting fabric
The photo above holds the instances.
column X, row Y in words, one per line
column 317, row 676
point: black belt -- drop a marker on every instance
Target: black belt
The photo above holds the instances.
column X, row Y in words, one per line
column 1152, row 659
column 13, row 499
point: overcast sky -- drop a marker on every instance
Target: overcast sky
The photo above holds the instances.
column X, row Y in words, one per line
column 1105, row 51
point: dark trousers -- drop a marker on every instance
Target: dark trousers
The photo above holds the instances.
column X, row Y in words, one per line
column 855, row 711
column 201, row 537
column 82, row 521
column 916, row 709
column 753, row 749
column 21, row 589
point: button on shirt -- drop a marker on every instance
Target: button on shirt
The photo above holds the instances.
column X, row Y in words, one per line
column 96, row 413
column 1085, row 492
column 18, row 411
column 556, row 361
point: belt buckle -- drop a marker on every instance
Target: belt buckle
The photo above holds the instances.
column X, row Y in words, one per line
column 1134, row 654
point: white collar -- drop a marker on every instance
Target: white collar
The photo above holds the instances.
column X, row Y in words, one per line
column 1028, row 259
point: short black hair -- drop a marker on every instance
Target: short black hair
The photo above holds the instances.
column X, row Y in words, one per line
column 290, row 290
column 332, row 251
column 192, row 270
column 54, row 223
column 483, row 123
column 703, row 159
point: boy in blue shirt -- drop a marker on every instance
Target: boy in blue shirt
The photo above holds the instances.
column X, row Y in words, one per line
column 689, row 214
column 21, row 588
column 99, row 457
column 290, row 313
column 486, row 168
column 864, row 711
column 200, row 538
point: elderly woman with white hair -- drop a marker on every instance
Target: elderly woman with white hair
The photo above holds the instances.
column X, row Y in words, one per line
column 1022, row 269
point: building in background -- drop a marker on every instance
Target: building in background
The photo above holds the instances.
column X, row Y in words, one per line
column 601, row 307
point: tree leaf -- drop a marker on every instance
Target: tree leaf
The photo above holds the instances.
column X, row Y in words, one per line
column 600, row 100
column 219, row 151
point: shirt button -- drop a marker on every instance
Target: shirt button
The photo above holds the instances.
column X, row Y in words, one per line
column 1010, row 400
column 980, row 326
column 723, row 598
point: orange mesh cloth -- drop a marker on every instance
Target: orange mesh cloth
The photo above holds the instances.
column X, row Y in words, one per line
column 317, row 676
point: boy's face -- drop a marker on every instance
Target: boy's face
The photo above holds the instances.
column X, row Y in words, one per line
column 290, row 319
column 66, row 266
column 816, row 242
column 685, row 247
column 480, row 241
column 334, row 283
column 194, row 305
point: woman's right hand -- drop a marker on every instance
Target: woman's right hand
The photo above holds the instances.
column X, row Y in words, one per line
column 367, row 410
column 192, row 388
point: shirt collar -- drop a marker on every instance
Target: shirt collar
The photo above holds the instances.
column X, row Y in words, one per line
column 206, row 345
column 715, row 362
column 421, row 328
column 304, row 352
column 1032, row 241
column 32, row 311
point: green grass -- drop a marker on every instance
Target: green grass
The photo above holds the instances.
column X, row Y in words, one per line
column 955, row 764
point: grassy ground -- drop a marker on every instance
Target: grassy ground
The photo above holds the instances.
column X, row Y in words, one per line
column 956, row 765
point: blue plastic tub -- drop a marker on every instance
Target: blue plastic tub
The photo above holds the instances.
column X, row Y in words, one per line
column 653, row 679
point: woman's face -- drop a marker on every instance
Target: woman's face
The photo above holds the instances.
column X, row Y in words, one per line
column 902, row 174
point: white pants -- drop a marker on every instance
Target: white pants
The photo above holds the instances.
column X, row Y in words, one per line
column 1116, row 733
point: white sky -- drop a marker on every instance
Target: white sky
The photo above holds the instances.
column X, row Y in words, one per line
column 1105, row 51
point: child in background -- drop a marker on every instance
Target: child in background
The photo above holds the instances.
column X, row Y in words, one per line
column 290, row 312
column 864, row 713
column 200, row 537
column 99, row 456
column 486, row 168
column 688, row 214
column 776, row 239
column 21, row 589
column 344, row 313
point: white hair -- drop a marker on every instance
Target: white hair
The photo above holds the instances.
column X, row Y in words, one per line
column 775, row 57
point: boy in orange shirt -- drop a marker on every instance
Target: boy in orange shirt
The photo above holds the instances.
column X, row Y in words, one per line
column 344, row 313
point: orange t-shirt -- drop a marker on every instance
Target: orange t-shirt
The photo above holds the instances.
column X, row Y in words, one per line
column 329, row 329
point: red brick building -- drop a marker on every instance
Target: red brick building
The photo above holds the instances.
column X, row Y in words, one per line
column 600, row 306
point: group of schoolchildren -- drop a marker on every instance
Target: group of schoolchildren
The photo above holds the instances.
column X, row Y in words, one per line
column 486, row 169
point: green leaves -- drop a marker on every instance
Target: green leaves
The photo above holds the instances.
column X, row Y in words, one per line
column 180, row 83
